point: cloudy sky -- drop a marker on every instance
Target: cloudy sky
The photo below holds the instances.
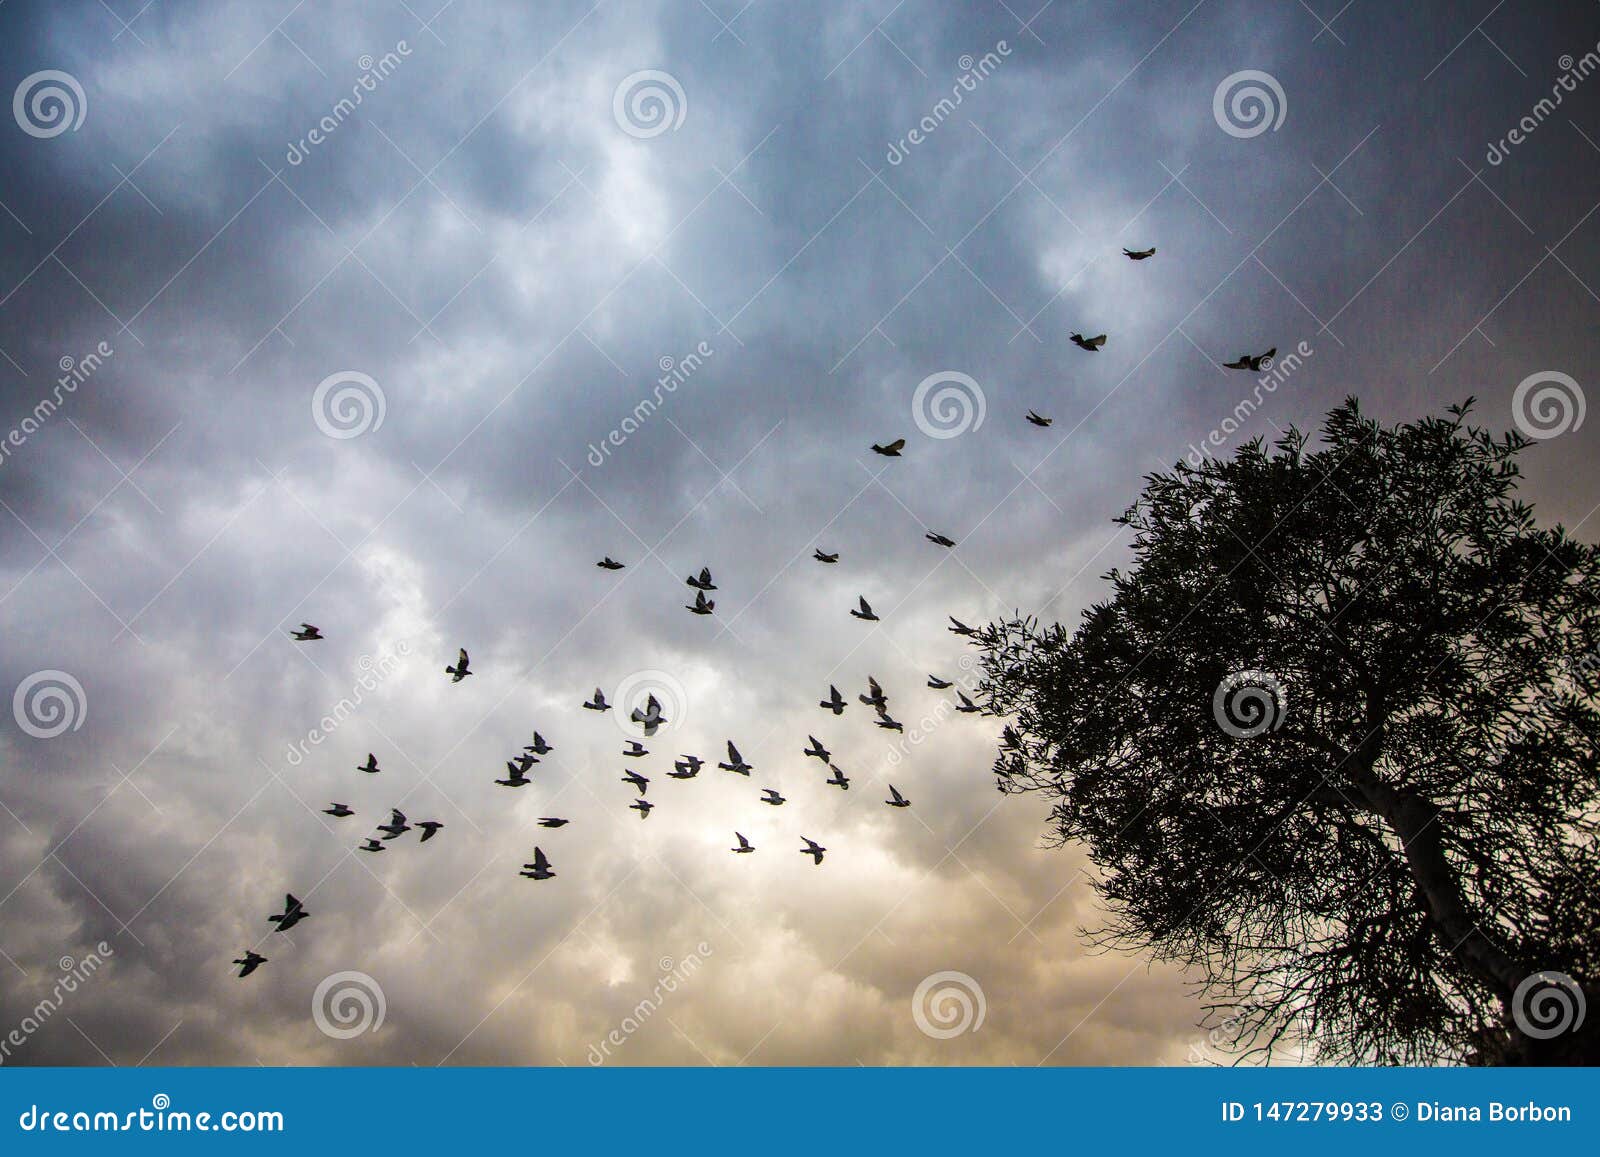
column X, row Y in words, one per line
column 486, row 263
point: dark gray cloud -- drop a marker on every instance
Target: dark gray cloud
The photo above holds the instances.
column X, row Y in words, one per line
column 483, row 239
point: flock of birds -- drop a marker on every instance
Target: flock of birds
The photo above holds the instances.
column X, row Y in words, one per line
column 649, row 717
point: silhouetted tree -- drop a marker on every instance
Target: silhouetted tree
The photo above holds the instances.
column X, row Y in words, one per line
column 1332, row 745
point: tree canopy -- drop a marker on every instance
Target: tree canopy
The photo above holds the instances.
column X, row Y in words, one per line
column 1331, row 744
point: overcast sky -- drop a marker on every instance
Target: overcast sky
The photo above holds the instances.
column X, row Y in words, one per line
column 496, row 249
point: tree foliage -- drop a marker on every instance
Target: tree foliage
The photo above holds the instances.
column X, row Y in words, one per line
column 1331, row 742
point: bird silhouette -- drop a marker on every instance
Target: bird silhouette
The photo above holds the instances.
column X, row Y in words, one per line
column 459, row 671
column 817, row 749
column 813, row 849
column 865, row 613
column 1088, row 343
column 539, row 869
column 371, row 845
column 515, row 776
column 306, row 634
column 553, row 822
column 1255, row 363
column 736, row 763
column 338, row 810
column 1139, row 254
column 744, row 845
column 635, row 749
column 887, row 723
column 703, row 581
column 397, row 825
column 371, row 766
column 939, row 539
column 768, row 795
column 968, row 707
column 429, row 829
column 1011, row 738
column 874, row 696
column 890, row 449
column 701, row 604
column 642, row 806
column 293, row 913
column 524, row 761
column 1039, row 419
column 598, row 703
column 838, row 779
column 650, row 717
column 898, row 800
column 639, row 781
column 834, row 702
column 682, row 771
column 937, row 683
column 251, row 961
column 823, row 556
column 957, row 627
column 609, row 563
column 538, row 746
column 690, row 764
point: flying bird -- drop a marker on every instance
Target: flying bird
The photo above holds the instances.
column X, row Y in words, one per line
column 1255, row 363
column 338, row 811
column 553, row 822
column 523, row 762
column 1088, row 343
column 823, row 556
column 892, row 449
column 736, row 762
column 957, row 627
column 838, row 779
column 306, row 634
column 813, row 849
column 687, row 766
column 251, row 961
column 817, row 749
column 874, row 696
column 635, row 749
column 702, row 581
column 744, row 845
column 515, row 776
column 701, row 604
column 639, row 781
column 1139, row 254
column 865, row 613
column 939, row 539
column 609, row 563
column 598, row 703
column 293, row 913
column 967, row 707
column 834, row 702
column 459, row 671
column 538, row 746
column 539, row 869
column 397, row 825
column 768, row 795
column 1039, row 419
column 884, row 721
column 898, row 800
column 642, row 806
column 371, row 845
column 650, row 717
column 937, row 683
column 371, row 766
column 429, row 828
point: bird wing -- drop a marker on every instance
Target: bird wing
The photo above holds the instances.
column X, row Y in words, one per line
column 897, row 444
